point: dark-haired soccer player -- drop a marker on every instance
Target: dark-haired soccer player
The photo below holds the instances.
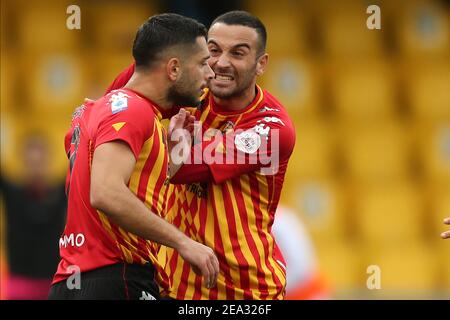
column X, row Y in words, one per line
column 119, row 170
column 230, row 205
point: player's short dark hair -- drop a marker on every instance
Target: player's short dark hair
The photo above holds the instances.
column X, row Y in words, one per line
column 164, row 31
column 244, row 18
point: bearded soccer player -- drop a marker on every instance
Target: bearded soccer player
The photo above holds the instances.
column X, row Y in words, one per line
column 230, row 205
column 117, row 181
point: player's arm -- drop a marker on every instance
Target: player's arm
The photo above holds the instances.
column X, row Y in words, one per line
column 109, row 193
column 260, row 132
column 122, row 79
column 446, row 234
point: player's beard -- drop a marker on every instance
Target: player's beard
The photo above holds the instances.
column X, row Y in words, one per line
column 181, row 94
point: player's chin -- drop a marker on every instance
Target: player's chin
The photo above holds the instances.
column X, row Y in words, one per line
column 221, row 92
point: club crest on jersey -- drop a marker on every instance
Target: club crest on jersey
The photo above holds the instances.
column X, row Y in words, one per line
column 248, row 141
column 119, row 102
column 228, row 126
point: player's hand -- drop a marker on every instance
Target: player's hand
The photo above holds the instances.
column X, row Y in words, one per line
column 202, row 259
column 180, row 132
column 182, row 120
column 446, row 234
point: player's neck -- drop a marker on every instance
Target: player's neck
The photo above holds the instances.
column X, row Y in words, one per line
column 150, row 87
column 239, row 102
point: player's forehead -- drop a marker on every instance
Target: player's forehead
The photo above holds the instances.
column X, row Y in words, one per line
column 229, row 36
column 202, row 44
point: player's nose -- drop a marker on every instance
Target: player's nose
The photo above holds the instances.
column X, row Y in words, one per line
column 222, row 62
column 209, row 74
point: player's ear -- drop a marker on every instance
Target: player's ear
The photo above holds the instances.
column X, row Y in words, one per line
column 173, row 69
column 262, row 64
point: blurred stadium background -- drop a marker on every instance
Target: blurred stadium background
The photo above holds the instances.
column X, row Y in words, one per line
column 370, row 175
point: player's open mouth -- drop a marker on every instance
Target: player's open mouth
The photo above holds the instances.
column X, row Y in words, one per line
column 222, row 77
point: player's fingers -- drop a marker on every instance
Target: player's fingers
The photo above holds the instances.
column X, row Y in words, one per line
column 210, row 276
column 447, row 220
column 213, row 274
column 182, row 116
column 190, row 128
column 206, row 275
column 189, row 120
column 216, row 266
column 445, row 235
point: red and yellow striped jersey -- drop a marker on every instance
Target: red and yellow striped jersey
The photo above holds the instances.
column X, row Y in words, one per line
column 90, row 239
column 233, row 210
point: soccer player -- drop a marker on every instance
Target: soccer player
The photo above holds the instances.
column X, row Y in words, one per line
column 119, row 171
column 231, row 206
column 446, row 234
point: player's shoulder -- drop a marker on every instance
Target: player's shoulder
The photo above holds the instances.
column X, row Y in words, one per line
column 270, row 110
column 271, row 104
column 125, row 101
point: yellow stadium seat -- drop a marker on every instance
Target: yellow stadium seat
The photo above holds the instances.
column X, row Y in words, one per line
column 423, row 29
column 258, row 7
column 363, row 90
column 15, row 129
column 56, row 133
column 7, row 82
column 286, row 30
column 57, row 81
column 389, row 213
column 378, row 151
column 434, row 143
column 114, row 26
column 313, row 152
column 440, row 209
column 8, row 143
column 408, row 270
column 6, row 18
column 320, row 203
column 345, row 34
column 108, row 68
column 42, row 26
column 294, row 81
column 444, row 263
column 340, row 262
column 428, row 89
